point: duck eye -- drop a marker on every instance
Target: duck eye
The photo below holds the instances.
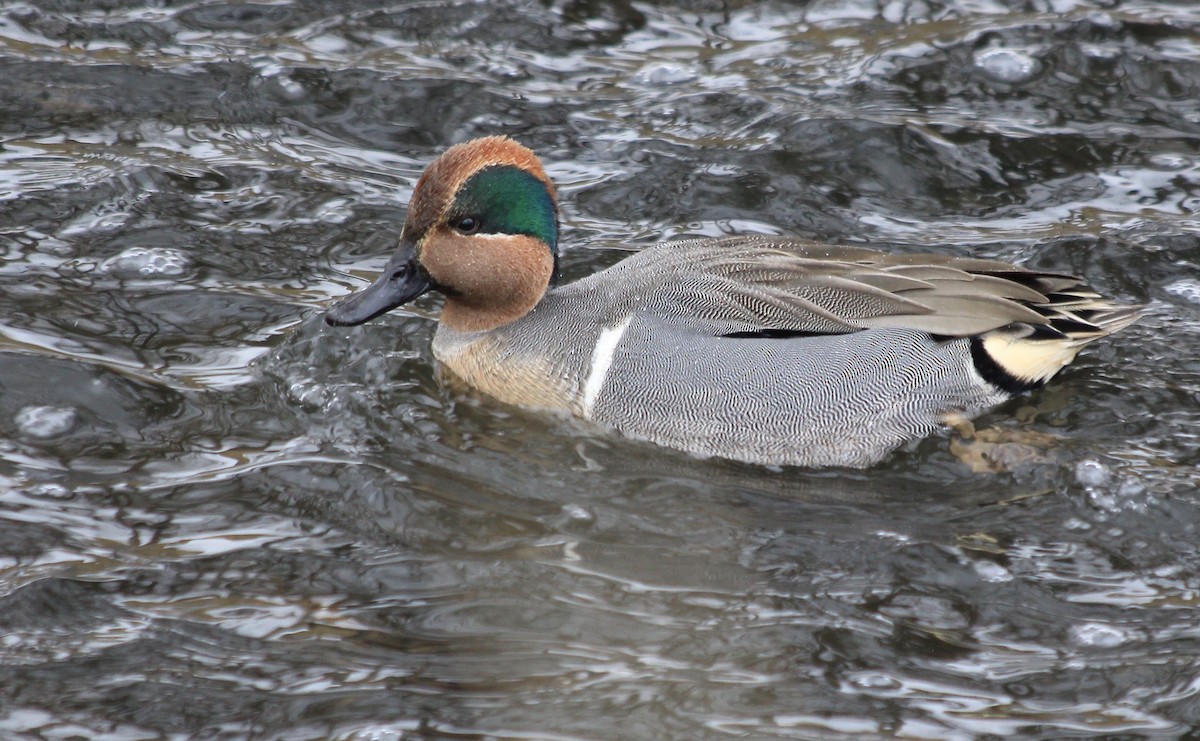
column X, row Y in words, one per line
column 468, row 224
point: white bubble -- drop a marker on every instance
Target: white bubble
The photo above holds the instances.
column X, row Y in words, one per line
column 663, row 74
column 1092, row 473
column 1187, row 289
column 1121, row 495
column 1104, row 500
column 1170, row 161
column 1098, row 635
column 1131, row 488
column 1101, row 51
column 872, row 680
column 147, row 262
column 1007, row 65
column 395, row 732
column 44, row 423
column 577, row 513
column 310, row 394
column 51, row 490
column 992, row 572
column 292, row 89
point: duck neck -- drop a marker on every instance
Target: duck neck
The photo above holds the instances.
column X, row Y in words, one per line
column 463, row 316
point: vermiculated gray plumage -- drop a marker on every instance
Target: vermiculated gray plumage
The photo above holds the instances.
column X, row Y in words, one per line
column 784, row 351
column 844, row 399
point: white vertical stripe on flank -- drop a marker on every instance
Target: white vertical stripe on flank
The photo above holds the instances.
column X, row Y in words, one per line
column 602, row 357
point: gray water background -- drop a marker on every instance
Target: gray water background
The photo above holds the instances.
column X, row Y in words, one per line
column 220, row 519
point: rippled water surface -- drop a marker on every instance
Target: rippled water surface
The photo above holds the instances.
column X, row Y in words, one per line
column 221, row 519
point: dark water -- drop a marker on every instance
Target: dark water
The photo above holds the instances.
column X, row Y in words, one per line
column 221, row 519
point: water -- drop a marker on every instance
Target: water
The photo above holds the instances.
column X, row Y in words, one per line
column 221, row 519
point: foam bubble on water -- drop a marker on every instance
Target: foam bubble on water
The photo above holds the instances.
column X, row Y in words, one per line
column 577, row 513
column 148, row 262
column 1104, row 500
column 1170, row 161
column 993, row 572
column 1187, row 289
column 1126, row 494
column 391, row 732
column 50, row 490
column 292, row 89
column 663, row 74
column 874, row 681
column 44, row 423
column 1007, row 65
column 1101, row 51
column 310, row 394
column 1092, row 473
column 1099, row 635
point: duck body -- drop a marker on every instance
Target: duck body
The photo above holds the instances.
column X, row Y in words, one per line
column 761, row 349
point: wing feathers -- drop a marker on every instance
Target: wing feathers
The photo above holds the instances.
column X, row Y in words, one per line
column 747, row 284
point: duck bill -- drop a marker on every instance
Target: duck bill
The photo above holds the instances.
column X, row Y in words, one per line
column 402, row 280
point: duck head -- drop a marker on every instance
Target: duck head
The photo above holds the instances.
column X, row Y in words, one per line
column 482, row 229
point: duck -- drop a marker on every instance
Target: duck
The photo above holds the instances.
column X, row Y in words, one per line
column 770, row 350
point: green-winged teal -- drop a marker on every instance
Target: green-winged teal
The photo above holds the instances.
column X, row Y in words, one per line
column 762, row 349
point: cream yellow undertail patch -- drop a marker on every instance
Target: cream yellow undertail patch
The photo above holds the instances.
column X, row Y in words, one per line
column 1029, row 360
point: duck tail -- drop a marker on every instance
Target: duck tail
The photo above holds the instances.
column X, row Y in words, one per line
column 1022, row 356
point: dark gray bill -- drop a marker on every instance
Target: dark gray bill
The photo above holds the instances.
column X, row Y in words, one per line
column 401, row 281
